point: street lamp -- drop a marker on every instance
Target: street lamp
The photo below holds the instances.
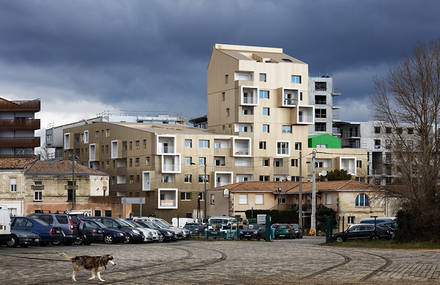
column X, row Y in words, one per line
column 279, row 197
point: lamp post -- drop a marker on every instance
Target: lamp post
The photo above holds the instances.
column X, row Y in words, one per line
column 279, row 197
column 300, row 214
column 313, row 222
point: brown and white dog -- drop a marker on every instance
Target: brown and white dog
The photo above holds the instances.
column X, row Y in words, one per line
column 93, row 263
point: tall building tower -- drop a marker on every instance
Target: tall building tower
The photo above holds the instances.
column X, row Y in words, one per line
column 261, row 95
column 17, row 127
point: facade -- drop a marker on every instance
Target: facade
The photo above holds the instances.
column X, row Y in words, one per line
column 350, row 199
column 13, row 184
column 54, row 135
column 17, row 127
column 376, row 137
column 321, row 95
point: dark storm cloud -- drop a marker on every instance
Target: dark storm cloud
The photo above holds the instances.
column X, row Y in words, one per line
column 152, row 55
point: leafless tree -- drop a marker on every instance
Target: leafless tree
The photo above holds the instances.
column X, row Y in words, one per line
column 410, row 95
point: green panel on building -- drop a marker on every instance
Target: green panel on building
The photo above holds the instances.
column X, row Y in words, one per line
column 324, row 141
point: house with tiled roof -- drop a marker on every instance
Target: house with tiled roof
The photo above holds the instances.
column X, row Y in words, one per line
column 351, row 199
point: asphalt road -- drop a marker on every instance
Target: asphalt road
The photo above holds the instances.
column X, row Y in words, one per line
column 225, row 262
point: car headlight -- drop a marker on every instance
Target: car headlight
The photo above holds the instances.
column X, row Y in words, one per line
column 121, row 234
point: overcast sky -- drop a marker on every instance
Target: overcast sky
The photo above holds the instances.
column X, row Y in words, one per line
column 85, row 57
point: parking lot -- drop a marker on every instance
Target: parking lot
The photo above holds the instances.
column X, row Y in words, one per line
column 224, row 262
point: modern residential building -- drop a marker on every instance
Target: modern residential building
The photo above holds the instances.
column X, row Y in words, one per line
column 321, row 95
column 17, row 127
column 350, row 199
column 376, row 137
column 54, row 135
column 257, row 129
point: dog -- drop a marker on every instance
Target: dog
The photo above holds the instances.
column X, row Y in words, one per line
column 93, row 263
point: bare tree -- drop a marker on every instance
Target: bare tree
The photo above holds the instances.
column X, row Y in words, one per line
column 410, row 95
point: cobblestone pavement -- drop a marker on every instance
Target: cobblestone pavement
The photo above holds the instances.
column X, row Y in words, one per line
column 225, row 262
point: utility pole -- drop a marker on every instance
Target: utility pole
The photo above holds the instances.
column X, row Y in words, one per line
column 300, row 198
column 313, row 222
column 204, row 182
column 73, row 180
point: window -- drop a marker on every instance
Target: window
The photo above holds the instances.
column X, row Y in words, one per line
column 219, row 161
column 351, row 220
column 246, row 110
column 145, row 143
column 201, row 196
column 97, row 213
column 263, row 77
column 188, row 143
column 298, row 146
column 320, row 127
column 376, row 144
column 319, row 164
column 168, row 198
column 399, row 131
column 409, row 143
column 328, row 197
column 147, row 160
column 387, row 142
column 262, row 145
column 185, row 196
column 410, row 131
column 131, row 179
column 188, row 178
column 388, row 130
column 130, row 163
column 321, row 86
column 38, row 195
column 13, row 183
column 294, row 162
column 223, row 96
column 320, row 99
column 212, row 199
column 266, row 162
column 243, row 199
column 86, row 136
column 130, row 145
column 264, row 178
column 136, row 161
column 362, row 200
column 266, row 111
column 321, row 113
column 278, row 162
column 204, row 143
column 377, row 130
column 264, row 94
column 137, row 144
column 188, row 160
column 283, row 148
column 226, row 78
column 287, row 129
column 69, row 195
column 201, row 178
column 359, row 163
column 145, row 180
column 265, row 128
column 259, row 199
column 167, row 179
column 282, row 199
column 202, row 160
column 243, row 75
column 227, row 112
column 296, row 78
column 67, row 141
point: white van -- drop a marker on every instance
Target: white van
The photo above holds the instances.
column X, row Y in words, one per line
column 5, row 225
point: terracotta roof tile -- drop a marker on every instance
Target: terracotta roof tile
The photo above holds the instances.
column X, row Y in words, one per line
column 60, row 168
column 16, row 162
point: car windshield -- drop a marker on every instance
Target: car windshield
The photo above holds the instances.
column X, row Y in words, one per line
column 149, row 224
column 283, row 227
column 41, row 222
column 160, row 224
column 165, row 223
column 124, row 223
column 96, row 223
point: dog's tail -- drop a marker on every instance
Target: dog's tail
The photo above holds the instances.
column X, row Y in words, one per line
column 63, row 254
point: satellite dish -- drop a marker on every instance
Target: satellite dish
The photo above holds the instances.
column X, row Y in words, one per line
column 323, row 173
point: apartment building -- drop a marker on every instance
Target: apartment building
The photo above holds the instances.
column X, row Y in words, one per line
column 17, row 127
column 376, row 138
column 322, row 95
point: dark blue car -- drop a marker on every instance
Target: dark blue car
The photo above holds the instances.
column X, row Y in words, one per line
column 46, row 233
column 109, row 235
column 131, row 234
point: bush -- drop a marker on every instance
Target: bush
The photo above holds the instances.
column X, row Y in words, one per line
column 321, row 217
column 338, row 175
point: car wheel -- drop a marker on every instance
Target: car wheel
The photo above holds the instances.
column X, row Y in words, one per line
column 127, row 239
column 375, row 237
column 108, row 239
column 53, row 243
column 339, row 239
column 12, row 242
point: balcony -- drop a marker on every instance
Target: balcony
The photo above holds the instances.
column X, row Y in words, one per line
column 241, row 147
column 28, row 105
column 20, row 124
column 305, row 115
column 223, row 178
column 20, row 142
column 249, row 96
column 171, row 163
column 166, row 144
column 290, row 97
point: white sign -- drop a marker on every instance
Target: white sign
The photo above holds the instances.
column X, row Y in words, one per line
column 133, row 200
column 226, row 193
column 261, row 219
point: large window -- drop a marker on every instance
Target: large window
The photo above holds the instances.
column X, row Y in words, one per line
column 287, row 129
column 283, row 148
column 320, row 86
column 185, row 196
column 243, row 199
column 296, row 78
column 282, row 199
column 264, row 94
column 13, row 184
column 204, row 143
column 320, row 99
column 259, row 199
column 167, row 198
column 38, row 195
column 320, row 127
column 362, row 200
column 321, row 113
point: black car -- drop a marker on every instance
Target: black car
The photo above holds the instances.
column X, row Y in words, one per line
column 362, row 231
column 132, row 235
column 252, row 231
column 296, row 231
column 89, row 232
column 23, row 238
column 109, row 235
column 167, row 234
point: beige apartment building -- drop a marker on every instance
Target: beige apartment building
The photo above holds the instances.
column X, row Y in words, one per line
column 258, row 116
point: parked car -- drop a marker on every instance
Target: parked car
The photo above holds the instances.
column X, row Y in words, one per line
column 132, row 235
column 195, row 229
column 283, row 231
column 388, row 223
column 62, row 221
column 168, row 235
column 47, row 234
column 362, row 231
column 5, row 225
column 149, row 235
column 178, row 233
column 296, row 231
column 88, row 233
column 109, row 235
column 23, row 239
column 252, row 231
column 156, row 235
